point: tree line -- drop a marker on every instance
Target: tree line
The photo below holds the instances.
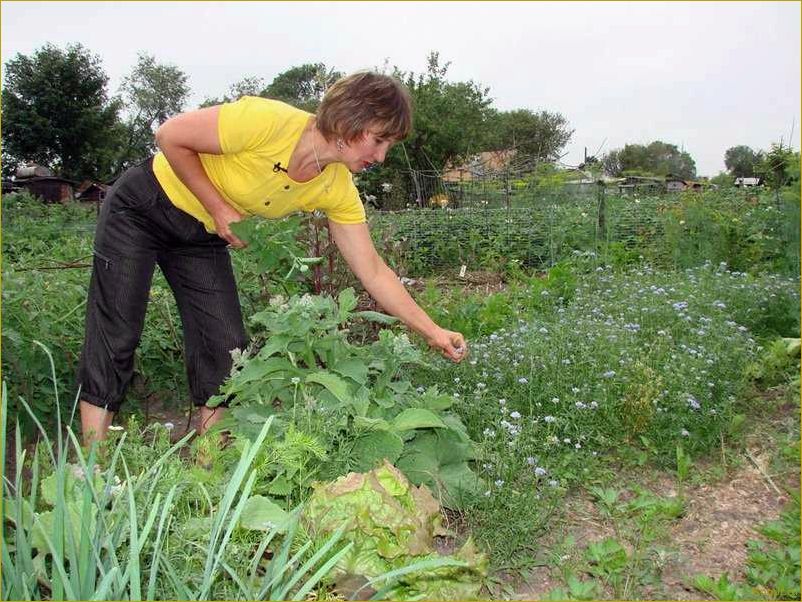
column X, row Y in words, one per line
column 58, row 112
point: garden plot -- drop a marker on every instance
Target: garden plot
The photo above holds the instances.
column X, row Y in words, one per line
column 578, row 375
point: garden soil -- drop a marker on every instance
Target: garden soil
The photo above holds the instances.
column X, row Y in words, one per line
column 709, row 539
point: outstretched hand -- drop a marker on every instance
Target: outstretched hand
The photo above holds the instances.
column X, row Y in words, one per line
column 451, row 344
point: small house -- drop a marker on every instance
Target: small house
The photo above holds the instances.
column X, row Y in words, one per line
column 479, row 166
column 52, row 189
column 643, row 184
column 40, row 181
column 91, row 192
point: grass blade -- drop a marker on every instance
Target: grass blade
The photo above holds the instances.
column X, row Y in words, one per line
column 321, row 572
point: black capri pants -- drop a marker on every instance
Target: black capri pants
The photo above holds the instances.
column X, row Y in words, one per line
column 138, row 228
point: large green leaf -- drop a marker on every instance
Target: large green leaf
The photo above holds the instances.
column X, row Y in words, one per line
column 333, row 383
column 438, row 458
column 276, row 344
column 435, row 401
column 280, row 486
column 263, row 514
column 370, row 449
column 419, row 466
column 274, row 367
column 371, row 424
column 346, row 302
column 374, row 316
column 445, row 444
column 361, row 401
column 416, row 418
column 353, row 368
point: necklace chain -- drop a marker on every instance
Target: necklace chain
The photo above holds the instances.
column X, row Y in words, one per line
column 317, row 161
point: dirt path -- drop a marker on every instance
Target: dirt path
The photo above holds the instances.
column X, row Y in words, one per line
column 710, row 538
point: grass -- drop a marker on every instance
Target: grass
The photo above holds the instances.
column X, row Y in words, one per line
column 75, row 537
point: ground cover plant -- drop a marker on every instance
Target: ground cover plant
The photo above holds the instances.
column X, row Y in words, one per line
column 643, row 359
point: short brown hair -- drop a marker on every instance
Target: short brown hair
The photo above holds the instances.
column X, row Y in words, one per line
column 365, row 100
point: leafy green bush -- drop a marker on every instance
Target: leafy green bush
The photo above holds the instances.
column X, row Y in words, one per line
column 747, row 230
column 339, row 406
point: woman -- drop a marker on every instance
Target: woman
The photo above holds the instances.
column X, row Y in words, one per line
column 218, row 165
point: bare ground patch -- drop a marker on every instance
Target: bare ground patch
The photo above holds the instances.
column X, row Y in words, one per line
column 710, row 538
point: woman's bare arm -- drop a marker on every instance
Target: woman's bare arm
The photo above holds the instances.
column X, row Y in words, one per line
column 181, row 139
column 357, row 248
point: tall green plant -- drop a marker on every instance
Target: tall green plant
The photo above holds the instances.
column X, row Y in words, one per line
column 339, row 406
column 75, row 531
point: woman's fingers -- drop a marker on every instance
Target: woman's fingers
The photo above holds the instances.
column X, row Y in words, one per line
column 453, row 347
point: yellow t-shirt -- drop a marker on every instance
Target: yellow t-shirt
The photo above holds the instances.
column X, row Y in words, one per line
column 256, row 135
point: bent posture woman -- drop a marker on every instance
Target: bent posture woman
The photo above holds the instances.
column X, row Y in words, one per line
column 216, row 166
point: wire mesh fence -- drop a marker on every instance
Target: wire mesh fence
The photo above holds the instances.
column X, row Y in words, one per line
column 486, row 229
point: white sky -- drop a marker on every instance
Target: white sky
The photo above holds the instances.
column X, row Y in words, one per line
column 702, row 75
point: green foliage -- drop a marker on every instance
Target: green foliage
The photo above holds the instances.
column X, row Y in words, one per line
column 56, row 112
column 302, row 86
column 347, row 399
column 540, row 136
column 603, row 360
column 657, row 158
column 47, row 255
column 153, row 92
column 723, row 180
column 274, row 253
column 779, row 167
column 777, row 363
column 247, row 86
column 76, row 538
column 392, row 523
column 741, row 161
column 749, row 231
column 450, row 118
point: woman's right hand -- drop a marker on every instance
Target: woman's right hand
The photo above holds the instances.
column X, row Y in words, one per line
column 223, row 218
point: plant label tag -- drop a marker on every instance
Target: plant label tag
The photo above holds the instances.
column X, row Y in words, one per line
column 462, row 271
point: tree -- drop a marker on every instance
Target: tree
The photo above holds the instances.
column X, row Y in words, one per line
column 56, row 112
column 302, row 86
column 449, row 123
column 152, row 93
column 779, row 166
column 611, row 164
column 656, row 159
column 450, row 118
column 723, row 180
column 741, row 161
column 540, row 136
column 247, row 86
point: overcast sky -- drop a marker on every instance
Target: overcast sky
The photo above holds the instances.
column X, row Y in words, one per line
column 702, row 75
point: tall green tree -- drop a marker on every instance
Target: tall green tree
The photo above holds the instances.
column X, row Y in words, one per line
column 302, row 86
column 741, row 161
column 57, row 112
column 153, row 92
column 656, row 159
column 450, row 118
column 540, row 136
